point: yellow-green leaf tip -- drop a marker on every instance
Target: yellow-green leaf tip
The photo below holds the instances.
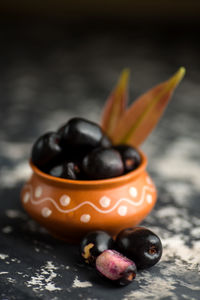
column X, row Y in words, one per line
column 124, row 77
column 181, row 72
column 125, row 72
column 177, row 77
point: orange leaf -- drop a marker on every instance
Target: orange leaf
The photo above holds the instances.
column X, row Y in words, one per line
column 115, row 105
column 143, row 115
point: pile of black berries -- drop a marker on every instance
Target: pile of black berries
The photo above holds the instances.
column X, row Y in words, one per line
column 80, row 150
column 118, row 261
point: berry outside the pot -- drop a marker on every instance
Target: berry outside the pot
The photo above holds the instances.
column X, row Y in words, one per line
column 116, row 267
column 93, row 244
column 141, row 245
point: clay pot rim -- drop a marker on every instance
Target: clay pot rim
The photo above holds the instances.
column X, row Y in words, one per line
column 91, row 183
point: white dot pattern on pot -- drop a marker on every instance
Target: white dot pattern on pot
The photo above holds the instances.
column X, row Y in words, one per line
column 85, row 218
column 26, row 197
column 149, row 198
column 46, row 212
column 104, row 201
column 133, row 192
column 122, row 210
column 38, row 191
column 65, row 200
column 31, row 197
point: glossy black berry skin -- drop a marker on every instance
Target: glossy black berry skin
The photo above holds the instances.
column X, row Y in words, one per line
column 141, row 245
column 46, row 150
column 80, row 133
column 106, row 142
column 103, row 163
column 93, row 244
column 130, row 156
column 68, row 170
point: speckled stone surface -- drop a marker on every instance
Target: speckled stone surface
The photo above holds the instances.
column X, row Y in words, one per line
column 53, row 71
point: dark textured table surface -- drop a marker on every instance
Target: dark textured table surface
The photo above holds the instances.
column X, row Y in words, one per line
column 50, row 72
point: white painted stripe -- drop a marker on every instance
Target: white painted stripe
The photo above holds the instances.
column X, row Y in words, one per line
column 65, row 211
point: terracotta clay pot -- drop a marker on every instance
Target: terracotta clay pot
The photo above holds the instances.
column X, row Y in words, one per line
column 69, row 209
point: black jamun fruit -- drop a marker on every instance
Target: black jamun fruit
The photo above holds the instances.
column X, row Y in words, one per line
column 93, row 244
column 116, row 267
column 103, row 163
column 68, row 170
column 130, row 157
column 80, row 133
column 141, row 245
column 46, row 150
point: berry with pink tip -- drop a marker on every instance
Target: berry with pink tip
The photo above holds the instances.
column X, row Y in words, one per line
column 116, row 267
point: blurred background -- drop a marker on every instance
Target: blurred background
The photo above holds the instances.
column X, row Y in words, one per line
column 60, row 59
